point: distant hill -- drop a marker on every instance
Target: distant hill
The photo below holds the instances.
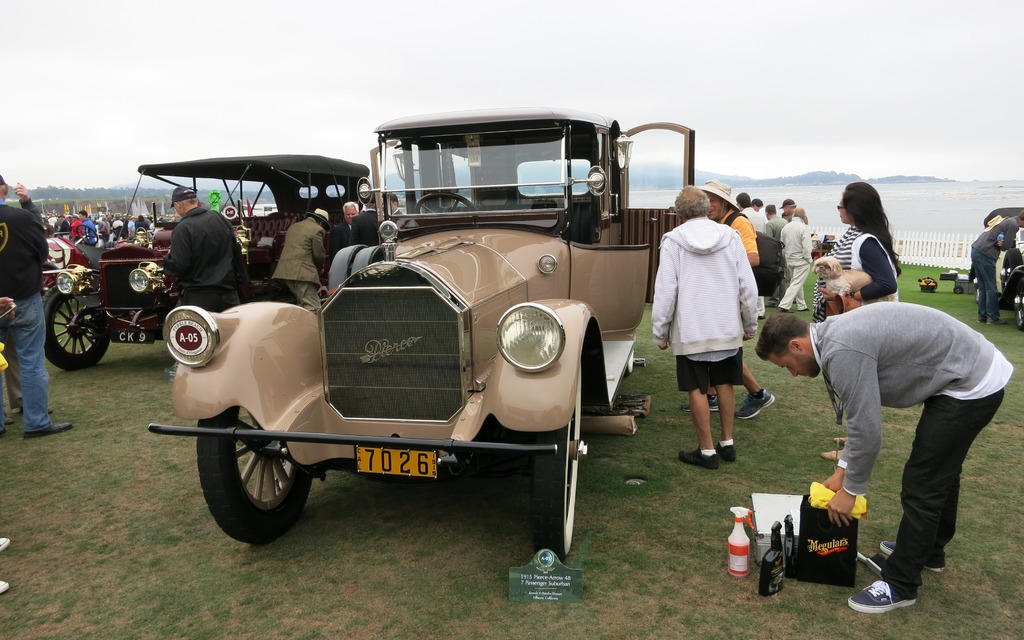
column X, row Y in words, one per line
column 830, row 178
column 666, row 176
column 94, row 193
column 642, row 176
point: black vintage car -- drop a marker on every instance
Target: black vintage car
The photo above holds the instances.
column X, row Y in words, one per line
column 1012, row 275
column 122, row 295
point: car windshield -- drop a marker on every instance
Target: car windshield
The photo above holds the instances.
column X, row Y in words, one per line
column 247, row 196
column 487, row 171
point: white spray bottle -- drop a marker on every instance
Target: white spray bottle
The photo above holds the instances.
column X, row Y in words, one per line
column 739, row 543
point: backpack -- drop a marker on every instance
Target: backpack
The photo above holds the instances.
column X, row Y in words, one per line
column 772, row 269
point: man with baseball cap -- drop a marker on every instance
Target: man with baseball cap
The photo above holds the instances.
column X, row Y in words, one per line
column 787, row 208
column 23, row 250
column 204, row 255
column 302, row 259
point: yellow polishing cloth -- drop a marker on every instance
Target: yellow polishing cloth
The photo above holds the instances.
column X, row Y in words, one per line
column 3, row 362
column 821, row 495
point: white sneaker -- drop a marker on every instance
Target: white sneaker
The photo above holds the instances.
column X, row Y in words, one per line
column 4, row 586
column 4, row 543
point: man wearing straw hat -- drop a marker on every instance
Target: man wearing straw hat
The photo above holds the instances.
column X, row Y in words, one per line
column 722, row 205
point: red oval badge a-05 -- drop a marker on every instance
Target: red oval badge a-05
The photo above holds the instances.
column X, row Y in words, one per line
column 188, row 337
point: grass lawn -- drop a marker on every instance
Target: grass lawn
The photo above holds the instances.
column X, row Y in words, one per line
column 111, row 537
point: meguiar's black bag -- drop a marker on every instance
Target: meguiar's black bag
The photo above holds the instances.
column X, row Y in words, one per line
column 826, row 553
column 772, row 269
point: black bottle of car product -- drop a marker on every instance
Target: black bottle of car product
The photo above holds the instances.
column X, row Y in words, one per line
column 790, row 548
column 772, row 571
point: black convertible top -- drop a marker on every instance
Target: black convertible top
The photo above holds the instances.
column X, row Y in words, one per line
column 443, row 121
column 256, row 167
column 298, row 182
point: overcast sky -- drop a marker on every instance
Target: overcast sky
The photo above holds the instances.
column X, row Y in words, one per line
column 94, row 89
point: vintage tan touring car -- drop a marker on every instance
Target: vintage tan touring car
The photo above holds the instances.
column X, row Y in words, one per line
column 500, row 302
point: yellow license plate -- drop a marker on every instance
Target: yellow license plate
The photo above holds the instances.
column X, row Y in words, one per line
column 396, row 462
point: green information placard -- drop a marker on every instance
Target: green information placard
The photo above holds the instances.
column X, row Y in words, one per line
column 545, row 579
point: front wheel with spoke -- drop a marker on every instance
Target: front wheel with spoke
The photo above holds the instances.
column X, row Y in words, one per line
column 553, row 490
column 76, row 336
column 254, row 492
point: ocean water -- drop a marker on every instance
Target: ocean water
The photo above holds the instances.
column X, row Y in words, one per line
column 947, row 207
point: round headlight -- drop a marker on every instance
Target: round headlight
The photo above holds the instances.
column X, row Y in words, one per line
column 65, row 283
column 192, row 335
column 138, row 280
column 531, row 337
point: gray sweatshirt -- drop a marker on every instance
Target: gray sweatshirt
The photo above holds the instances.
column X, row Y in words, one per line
column 986, row 242
column 894, row 355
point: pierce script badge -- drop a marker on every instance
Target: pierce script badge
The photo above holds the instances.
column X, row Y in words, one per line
column 380, row 349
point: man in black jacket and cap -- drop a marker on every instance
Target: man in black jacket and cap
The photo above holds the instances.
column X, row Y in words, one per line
column 205, row 256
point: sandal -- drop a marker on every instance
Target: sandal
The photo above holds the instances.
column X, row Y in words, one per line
column 839, row 440
column 831, row 456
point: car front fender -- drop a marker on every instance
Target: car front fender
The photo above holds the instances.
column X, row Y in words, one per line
column 268, row 361
column 545, row 400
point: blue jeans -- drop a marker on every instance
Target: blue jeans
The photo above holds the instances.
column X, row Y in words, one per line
column 988, row 297
column 29, row 331
column 931, row 485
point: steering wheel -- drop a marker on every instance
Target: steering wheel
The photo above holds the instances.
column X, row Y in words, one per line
column 420, row 207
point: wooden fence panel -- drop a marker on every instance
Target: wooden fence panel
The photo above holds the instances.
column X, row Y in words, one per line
column 646, row 226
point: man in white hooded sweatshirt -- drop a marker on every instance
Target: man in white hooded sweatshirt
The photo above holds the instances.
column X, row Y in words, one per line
column 705, row 306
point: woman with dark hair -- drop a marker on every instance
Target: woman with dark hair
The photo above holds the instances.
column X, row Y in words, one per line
column 866, row 246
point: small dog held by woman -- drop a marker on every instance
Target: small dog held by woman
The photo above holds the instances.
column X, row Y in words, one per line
column 843, row 282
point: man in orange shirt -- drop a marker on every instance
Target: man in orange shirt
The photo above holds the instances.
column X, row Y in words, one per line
column 725, row 210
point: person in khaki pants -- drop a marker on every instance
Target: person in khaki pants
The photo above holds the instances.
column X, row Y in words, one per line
column 302, row 259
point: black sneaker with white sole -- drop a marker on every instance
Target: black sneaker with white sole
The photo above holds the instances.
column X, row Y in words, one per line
column 878, row 598
column 888, row 546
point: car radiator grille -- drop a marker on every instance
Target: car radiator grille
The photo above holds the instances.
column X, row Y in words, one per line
column 393, row 354
column 117, row 293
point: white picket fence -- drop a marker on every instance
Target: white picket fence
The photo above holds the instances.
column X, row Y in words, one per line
column 924, row 248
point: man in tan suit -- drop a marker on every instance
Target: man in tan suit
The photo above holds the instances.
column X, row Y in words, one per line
column 302, row 259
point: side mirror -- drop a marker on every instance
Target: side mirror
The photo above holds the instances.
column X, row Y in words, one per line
column 596, row 181
column 364, row 190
